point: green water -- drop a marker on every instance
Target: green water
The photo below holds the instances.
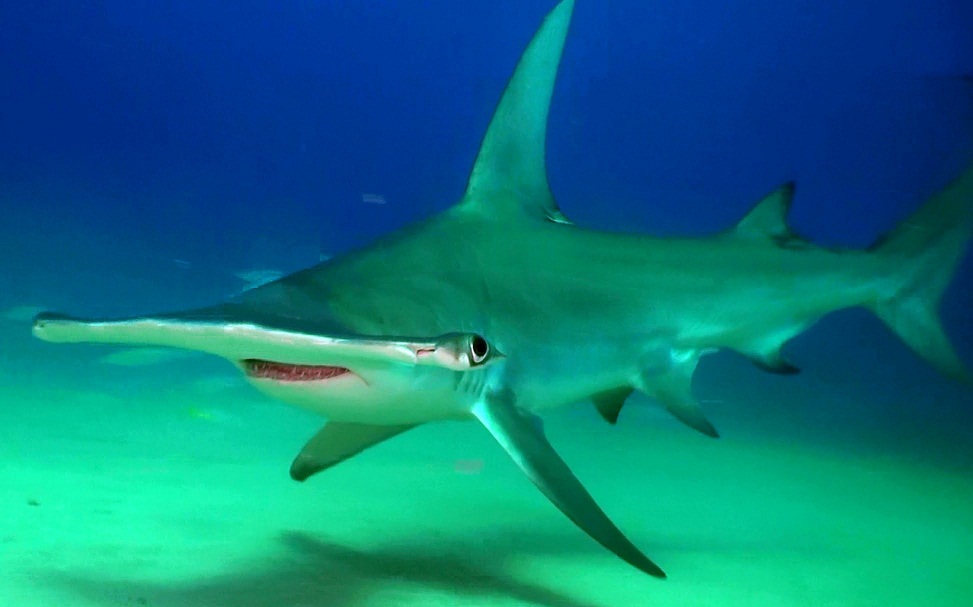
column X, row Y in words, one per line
column 163, row 481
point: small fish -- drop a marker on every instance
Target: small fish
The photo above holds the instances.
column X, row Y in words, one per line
column 21, row 313
column 257, row 278
column 373, row 199
column 140, row 357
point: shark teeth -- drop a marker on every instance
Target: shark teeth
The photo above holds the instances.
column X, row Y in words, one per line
column 266, row 369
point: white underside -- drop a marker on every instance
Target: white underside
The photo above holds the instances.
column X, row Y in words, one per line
column 390, row 394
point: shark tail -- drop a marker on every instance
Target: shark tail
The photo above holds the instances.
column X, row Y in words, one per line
column 922, row 253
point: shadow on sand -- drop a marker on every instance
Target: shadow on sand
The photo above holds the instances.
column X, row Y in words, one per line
column 313, row 572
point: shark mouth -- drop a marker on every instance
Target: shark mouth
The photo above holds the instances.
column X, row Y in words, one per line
column 286, row 372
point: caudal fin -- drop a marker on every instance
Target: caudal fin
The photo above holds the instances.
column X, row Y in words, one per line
column 923, row 252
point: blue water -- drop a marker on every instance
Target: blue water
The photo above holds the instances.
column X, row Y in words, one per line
column 163, row 146
column 151, row 150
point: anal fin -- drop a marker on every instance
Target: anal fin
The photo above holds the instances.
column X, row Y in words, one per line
column 526, row 444
column 774, row 362
column 609, row 403
column 673, row 388
column 336, row 442
column 766, row 352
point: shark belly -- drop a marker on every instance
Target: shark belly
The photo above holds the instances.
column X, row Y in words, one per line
column 562, row 373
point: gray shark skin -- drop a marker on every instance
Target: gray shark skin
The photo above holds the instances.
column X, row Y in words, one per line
column 499, row 308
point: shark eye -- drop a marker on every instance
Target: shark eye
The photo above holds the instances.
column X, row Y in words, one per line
column 479, row 349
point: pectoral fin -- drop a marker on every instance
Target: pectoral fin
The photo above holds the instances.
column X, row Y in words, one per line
column 336, row 442
column 525, row 442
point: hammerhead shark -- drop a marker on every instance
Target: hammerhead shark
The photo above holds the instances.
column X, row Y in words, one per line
column 499, row 307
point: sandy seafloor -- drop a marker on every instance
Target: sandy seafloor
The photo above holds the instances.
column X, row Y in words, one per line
column 128, row 482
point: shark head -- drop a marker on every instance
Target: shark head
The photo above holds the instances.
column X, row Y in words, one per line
column 326, row 371
column 410, row 381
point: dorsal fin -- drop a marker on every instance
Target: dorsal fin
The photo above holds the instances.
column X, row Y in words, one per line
column 768, row 218
column 509, row 177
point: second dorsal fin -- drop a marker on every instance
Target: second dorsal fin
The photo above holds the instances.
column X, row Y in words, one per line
column 768, row 218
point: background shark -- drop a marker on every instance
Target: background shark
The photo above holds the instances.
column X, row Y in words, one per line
column 499, row 308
